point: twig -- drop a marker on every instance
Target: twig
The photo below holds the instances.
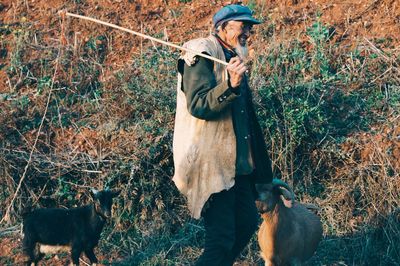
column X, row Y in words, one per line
column 371, row 6
column 376, row 49
column 10, row 230
column 382, row 75
column 382, row 54
column 145, row 36
column 84, row 262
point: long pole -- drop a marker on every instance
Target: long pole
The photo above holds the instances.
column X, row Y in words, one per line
column 144, row 36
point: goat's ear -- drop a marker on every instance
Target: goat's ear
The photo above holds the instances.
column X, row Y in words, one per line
column 115, row 193
column 286, row 202
column 287, row 197
column 94, row 192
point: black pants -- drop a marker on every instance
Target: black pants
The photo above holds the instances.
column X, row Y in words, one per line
column 230, row 220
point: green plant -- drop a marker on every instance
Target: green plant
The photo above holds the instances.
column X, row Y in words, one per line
column 292, row 100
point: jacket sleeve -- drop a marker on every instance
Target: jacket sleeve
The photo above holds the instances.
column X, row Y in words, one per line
column 205, row 98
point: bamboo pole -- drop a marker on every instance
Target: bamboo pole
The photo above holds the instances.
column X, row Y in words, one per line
column 144, row 36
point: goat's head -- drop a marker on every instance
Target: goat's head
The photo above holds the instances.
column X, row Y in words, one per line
column 103, row 201
column 270, row 194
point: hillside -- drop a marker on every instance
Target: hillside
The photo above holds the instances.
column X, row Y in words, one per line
column 84, row 106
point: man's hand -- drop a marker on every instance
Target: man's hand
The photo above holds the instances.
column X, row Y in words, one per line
column 236, row 68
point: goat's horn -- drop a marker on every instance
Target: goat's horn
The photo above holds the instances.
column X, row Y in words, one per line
column 280, row 183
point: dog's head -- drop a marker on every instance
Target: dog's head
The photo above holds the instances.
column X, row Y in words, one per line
column 270, row 194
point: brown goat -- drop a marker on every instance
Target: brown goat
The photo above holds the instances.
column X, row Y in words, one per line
column 290, row 232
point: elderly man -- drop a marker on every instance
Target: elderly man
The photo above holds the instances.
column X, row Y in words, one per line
column 219, row 149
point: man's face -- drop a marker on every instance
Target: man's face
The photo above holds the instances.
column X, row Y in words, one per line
column 237, row 32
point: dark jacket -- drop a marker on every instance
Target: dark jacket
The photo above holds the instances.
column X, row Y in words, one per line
column 205, row 99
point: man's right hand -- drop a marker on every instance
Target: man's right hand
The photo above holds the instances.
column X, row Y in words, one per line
column 236, row 69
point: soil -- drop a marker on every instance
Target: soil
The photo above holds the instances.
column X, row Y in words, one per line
column 11, row 254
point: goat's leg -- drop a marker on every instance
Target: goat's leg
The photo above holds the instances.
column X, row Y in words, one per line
column 28, row 247
column 39, row 256
column 75, row 254
column 90, row 254
column 31, row 260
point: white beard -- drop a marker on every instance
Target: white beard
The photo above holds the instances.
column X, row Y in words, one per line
column 242, row 51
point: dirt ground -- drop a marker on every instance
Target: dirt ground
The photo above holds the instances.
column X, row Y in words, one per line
column 11, row 254
column 177, row 21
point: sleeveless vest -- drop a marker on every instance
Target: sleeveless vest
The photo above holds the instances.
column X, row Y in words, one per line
column 204, row 150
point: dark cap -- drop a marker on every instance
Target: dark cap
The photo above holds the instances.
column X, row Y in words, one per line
column 234, row 12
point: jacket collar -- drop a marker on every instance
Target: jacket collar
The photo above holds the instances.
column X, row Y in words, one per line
column 227, row 48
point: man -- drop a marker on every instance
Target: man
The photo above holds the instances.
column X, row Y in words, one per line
column 219, row 149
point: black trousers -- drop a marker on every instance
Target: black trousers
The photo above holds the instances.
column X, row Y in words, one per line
column 230, row 220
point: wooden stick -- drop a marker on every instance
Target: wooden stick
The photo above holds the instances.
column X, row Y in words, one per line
column 145, row 36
